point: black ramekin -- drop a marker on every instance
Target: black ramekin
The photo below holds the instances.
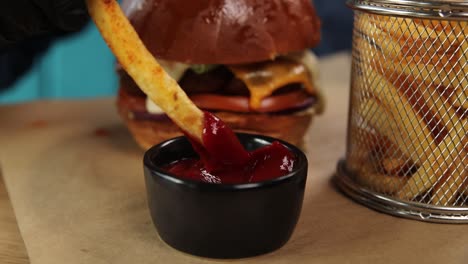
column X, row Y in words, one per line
column 222, row 220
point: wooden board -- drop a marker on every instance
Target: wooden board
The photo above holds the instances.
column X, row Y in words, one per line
column 75, row 180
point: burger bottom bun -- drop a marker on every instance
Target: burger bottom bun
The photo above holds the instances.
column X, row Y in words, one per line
column 288, row 127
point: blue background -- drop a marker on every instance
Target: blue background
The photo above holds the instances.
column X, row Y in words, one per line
column 81, row 65
column 78, row 66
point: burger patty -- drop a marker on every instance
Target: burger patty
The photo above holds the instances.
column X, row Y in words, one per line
column 217, row 81
column 220, row 90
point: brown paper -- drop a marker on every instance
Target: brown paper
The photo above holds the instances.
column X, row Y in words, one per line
column 75, row 180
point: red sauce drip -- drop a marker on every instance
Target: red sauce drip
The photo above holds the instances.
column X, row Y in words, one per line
column 223, row 159
column 39, row 123
column 101, row 132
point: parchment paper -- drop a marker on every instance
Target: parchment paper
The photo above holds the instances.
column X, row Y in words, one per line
column 75, row 180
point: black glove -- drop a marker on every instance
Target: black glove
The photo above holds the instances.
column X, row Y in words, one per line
column 23, row 19
column 27, row 27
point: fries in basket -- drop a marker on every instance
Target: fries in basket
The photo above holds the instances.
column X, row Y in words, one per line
column 416, row 80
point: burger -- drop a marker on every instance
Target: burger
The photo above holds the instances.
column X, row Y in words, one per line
column 247, row 61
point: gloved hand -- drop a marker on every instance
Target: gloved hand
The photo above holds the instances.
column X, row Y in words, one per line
column 22, row 19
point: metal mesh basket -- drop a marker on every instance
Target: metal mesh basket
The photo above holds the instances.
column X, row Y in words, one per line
column 407, row 134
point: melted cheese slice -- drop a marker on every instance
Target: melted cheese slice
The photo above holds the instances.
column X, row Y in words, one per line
column 262, row 79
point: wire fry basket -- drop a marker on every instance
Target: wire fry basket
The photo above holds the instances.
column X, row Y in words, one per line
column 407, row 143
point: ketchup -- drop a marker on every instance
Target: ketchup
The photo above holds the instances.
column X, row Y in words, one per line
column 223, row 159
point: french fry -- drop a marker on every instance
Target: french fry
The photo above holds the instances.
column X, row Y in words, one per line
column 456, row 26
column 418, row 75
column 436, row 58
column 141, row 65
column 441, row 154
column 409, row 129
column 357, row 159
column 432, row 162
column 380, row 149
column 367, row 174
column 395, row 166
column 460, row 98
column 434, row 157
column 434, row 68
column 464, row 188
column 379, row 182
column 447, row 190
column 432, row 100
column 397, row 45
column 425, row 177
column 372, row 39
column 420, row 29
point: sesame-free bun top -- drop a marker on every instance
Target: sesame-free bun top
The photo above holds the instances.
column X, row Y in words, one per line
column 225, row 31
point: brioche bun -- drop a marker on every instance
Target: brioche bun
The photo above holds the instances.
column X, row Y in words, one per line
column 225, row 31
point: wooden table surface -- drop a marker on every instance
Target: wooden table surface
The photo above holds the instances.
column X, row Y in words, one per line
column 12, row 249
